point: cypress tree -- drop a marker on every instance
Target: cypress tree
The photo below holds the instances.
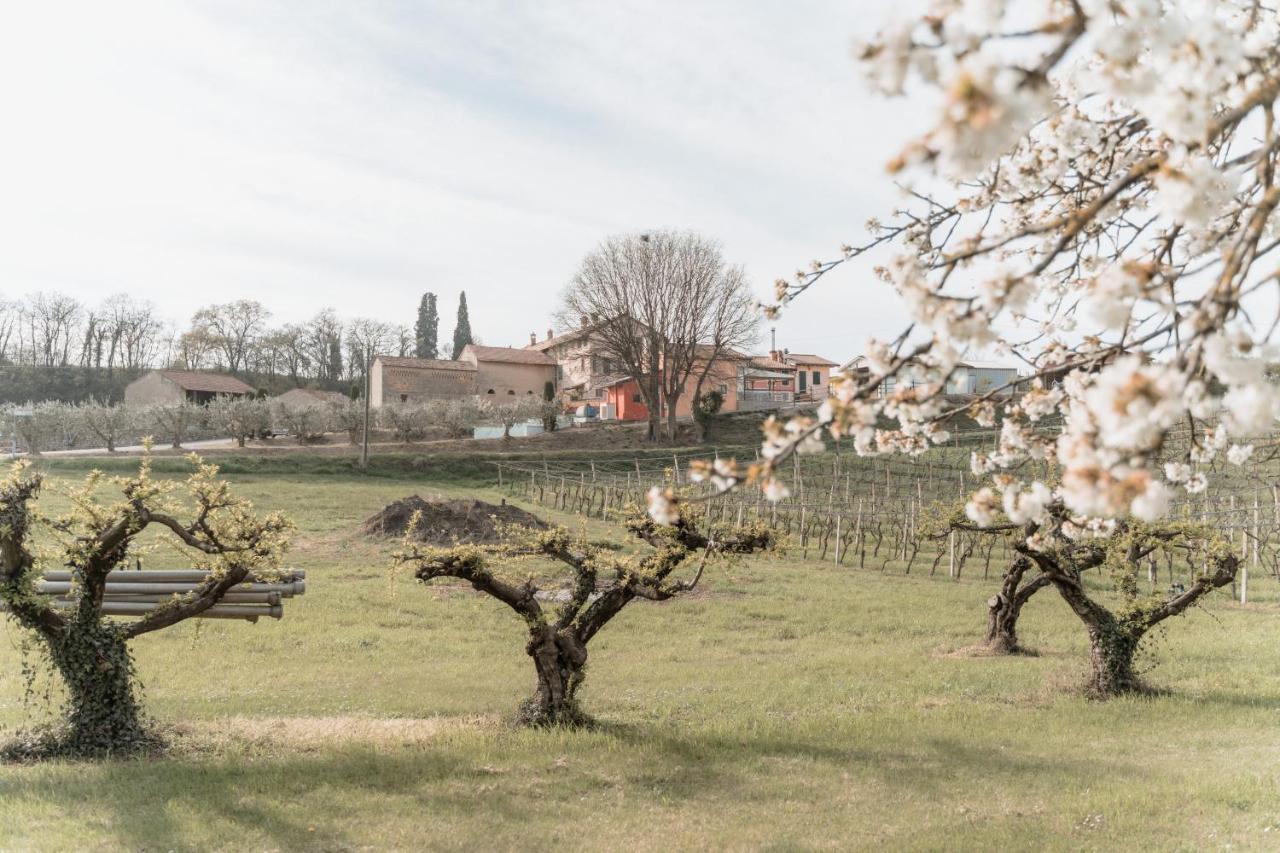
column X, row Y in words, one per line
column 462, row 331
column 426, row 331
column 335, row 358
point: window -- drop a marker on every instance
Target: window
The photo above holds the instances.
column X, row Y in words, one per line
column 724, row 390
column 511, row 392
column 528, row 392
column 404, row 398
column 635, row 398
column 817, row 377
column 490, row 391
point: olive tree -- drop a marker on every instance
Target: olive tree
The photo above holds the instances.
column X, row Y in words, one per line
column 173, row 421
column 107, row 424
column 507, row 415
column 602, row 581
column 307, row 423
column 240, row 418
column 407, row 421
column 41, row 426
column 209, row 526
column 458, row 416
column 348, row 416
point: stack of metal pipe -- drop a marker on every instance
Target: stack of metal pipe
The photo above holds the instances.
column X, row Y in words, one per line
column 137, row 593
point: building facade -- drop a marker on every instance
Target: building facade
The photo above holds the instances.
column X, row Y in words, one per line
column 510, row 372
column 480, row 371
column 178, row 386
column 416, row 380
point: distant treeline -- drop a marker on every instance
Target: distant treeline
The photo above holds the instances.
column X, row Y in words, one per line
column 73, row 384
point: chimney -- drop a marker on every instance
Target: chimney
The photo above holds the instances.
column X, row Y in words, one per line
column 775, row 355
column 533, row 338
column 549, row 334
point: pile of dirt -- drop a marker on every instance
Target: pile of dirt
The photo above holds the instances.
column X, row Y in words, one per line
column 447, row 522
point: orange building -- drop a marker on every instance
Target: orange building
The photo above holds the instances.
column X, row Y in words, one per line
column 626, row 403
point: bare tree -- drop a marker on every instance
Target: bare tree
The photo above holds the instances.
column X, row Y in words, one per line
column 194, row 348
column 666, row 307
column 10, row 320
column 51, row 320
column 322, row 341
column 365, row 339
column 233, row 328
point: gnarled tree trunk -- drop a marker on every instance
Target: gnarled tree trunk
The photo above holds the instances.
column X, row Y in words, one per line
column 1111, row 652
column 560, row 660
column 1004, row 608
column 102, row 713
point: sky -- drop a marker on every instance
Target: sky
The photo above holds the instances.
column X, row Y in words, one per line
column 352, row 155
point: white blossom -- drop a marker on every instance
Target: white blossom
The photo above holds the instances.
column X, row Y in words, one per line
column 662, row 506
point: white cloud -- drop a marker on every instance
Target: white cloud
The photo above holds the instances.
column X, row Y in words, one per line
column 354, row 155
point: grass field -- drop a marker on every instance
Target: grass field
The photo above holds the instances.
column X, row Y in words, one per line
column 786, row 706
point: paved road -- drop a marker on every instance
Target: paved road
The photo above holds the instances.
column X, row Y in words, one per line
column 206, row 444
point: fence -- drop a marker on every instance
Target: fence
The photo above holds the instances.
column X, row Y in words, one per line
column 886, row 512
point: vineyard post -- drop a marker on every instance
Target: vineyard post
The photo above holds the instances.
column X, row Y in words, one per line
column 1275, row 516
column 837, row 540
column 1243, row 546
column 857, row 538
column 951, row 554
column 1257, row 533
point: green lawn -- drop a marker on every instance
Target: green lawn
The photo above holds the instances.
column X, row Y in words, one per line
column 786, row 706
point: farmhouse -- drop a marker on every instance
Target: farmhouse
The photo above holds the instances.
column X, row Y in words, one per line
column 405, row 380
column 177, row 386
column 509, row 372
column 767, row 383
column 813, row 374
column 721, row 374
column 584, row 367
column 481, row 371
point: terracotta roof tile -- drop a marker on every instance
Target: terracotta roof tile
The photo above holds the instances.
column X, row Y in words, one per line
column 509, row 355
column 425, row 363
column 213, row 383
column 809, row 358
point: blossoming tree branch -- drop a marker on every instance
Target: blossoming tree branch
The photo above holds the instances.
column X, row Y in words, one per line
column 1096, row 199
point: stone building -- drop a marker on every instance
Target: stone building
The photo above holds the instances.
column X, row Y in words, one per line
column 510, row 372
column 176, row 386
column 393, row 379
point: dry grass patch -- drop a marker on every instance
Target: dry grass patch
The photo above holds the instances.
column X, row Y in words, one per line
column 286, row 735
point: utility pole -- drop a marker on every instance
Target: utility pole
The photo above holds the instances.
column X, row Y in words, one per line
column 364, row 438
